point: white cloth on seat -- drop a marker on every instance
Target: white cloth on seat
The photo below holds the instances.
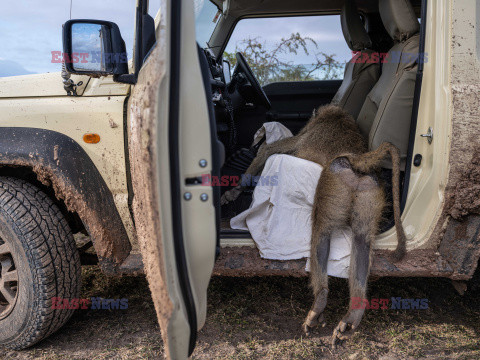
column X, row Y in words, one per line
column 273, row 131
column 279, row 218
column 339, row 257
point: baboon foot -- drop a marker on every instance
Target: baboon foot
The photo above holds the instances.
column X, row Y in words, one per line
column 313, row 319
column 230, row 195
column 347, row 326
column 315, row 315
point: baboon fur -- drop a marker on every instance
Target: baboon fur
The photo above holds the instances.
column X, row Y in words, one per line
column 348, row 194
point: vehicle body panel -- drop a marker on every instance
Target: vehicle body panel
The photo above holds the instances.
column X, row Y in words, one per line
column 45, row 105
column 154, row 179
column 457, row 228
column 60, row 162
column 38, row 85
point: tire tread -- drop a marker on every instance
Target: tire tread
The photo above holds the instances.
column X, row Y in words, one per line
column 51, row 251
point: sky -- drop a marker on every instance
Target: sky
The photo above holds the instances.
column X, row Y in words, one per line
column 31, row 29
column 86, row 40
column 325, row 30
column 29, row 32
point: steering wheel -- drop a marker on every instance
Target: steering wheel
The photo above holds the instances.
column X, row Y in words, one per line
column 259, row 95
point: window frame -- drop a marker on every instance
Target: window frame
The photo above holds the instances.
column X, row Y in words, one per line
column 232, row 28
column 221, row 48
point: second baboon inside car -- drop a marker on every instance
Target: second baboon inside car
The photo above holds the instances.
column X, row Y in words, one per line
column 348, row 194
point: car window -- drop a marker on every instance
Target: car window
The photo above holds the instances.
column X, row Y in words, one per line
column 206, row 18
column 299, row 48
column 153, row 7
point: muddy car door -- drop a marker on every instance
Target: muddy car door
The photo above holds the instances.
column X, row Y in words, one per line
column 172, row 143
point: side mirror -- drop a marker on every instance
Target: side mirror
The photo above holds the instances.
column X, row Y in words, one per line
column 94, row 47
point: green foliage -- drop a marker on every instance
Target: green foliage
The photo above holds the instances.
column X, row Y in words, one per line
column 268, row 65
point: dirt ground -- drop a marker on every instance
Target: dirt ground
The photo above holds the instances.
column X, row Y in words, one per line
column 260, row 318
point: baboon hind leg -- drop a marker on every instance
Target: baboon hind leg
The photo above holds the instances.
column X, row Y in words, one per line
column 283, row 146
column 367, row 209
column 331, row 210
column 318, row 279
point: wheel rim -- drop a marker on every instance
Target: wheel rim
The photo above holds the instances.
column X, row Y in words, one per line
column 8, row 280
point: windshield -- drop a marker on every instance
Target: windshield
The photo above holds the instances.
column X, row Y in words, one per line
column 205, row 14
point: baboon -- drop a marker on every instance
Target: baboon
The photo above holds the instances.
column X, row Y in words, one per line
column 348, row 194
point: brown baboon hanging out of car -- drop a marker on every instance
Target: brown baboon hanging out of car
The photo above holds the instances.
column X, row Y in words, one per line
column 348, row 194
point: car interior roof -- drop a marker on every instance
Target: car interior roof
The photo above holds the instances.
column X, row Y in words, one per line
column 241, row 8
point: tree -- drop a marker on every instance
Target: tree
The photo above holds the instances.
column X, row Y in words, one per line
column 268, row 65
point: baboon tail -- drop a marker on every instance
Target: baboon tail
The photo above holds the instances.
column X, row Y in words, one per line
column 371, row 160
column 401, row 249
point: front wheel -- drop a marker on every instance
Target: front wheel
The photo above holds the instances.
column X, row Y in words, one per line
column 39, row 262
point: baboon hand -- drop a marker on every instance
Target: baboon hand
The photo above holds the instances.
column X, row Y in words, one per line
column 231, row 195
column 347, row 326
column 313, row 319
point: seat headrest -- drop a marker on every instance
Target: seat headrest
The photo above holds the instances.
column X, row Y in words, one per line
column 399, row 19
column 352, row 26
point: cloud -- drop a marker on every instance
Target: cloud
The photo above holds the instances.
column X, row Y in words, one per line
column 12, row 68
column 30, row 30
column 86, row 38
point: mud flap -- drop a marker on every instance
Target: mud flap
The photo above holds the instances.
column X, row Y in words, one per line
column 169, row 143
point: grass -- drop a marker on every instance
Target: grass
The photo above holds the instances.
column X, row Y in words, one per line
column 260, row 318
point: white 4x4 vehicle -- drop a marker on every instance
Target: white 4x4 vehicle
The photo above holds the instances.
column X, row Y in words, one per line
column 121, row 157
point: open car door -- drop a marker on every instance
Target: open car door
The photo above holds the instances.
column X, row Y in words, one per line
column 172, row 142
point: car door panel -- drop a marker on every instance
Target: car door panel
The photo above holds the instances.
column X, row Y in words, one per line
column 169, row 133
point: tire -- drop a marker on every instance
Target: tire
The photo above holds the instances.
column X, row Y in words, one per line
column 37, row 248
